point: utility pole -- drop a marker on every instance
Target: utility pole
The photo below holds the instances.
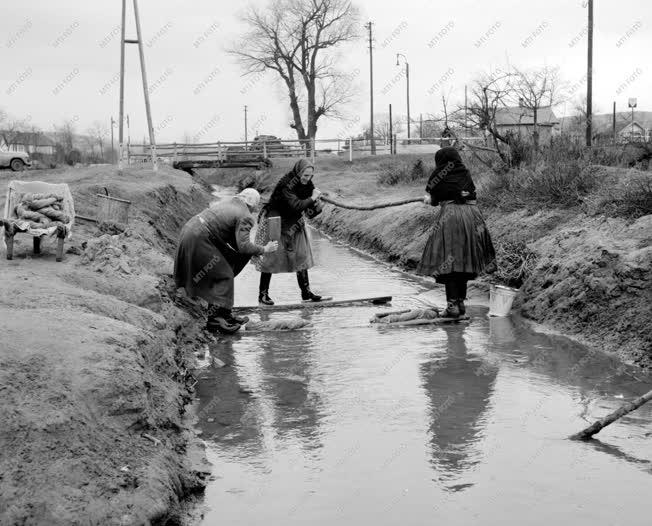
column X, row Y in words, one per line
column 138, row 40
column 112, row 148
column 371, row 88
column 466, row 110
column 122, row 88
column 391, row 132
column 613, row 124
column 420, row 126
column 589, row 77
column 407, row 78
column 245, row 119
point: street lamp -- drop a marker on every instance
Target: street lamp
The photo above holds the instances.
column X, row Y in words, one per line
column 407, row 77
column 632, row 104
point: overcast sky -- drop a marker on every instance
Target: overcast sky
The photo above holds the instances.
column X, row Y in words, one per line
column 62, row 62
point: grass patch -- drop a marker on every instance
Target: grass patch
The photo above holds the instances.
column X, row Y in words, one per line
column 400, row 171
column 515, row 262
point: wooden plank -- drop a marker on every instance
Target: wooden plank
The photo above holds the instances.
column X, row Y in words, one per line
column 433, row 321
column 377, row 300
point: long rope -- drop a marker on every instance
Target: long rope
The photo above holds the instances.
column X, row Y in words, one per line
column 371, row 207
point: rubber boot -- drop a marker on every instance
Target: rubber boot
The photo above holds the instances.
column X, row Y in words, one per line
column 263, row 289
column 461, row 297
column 452, row 310
column 304, row 285
column 221, row 320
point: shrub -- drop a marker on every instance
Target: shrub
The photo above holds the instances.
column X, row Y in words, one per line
column 395, row 172
column 515, row 263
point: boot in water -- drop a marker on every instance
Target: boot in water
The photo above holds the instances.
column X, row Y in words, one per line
column 452, row 310
column 223, row 321
column 264, row 299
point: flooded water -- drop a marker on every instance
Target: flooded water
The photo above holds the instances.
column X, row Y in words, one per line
column 349, row 423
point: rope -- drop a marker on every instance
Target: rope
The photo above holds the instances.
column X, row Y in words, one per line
column 371, row 207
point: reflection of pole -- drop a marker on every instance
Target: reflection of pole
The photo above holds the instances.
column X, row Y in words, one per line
column 589, row 77
column 371, row 89
column 122, row 87
column 150, row 126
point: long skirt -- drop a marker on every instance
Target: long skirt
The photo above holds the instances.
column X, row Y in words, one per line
column 459, row 245
column 202, row 269
column 294, row 251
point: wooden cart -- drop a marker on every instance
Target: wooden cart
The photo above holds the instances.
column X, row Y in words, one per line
column 13, row 225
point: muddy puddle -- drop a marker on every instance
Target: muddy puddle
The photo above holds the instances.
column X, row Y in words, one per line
column 347, row 423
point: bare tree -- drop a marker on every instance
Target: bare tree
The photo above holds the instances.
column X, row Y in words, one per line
column 65, row 134
column 98, row 133
column 489, row 93
column 11, row 128
column 533, row 90
column 298, row 39
column 381, row 126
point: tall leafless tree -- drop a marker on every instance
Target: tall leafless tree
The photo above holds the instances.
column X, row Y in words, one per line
column 98, row 133
column 298, row 39
column 534, row 90
column 381, row 126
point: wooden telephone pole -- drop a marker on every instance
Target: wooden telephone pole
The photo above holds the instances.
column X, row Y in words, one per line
column 589, row 78
column 371, row 88
column 148, row 109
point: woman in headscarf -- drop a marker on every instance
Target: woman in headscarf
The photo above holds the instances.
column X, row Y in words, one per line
column 459, row 247
column 294, row 197
column 214, row 247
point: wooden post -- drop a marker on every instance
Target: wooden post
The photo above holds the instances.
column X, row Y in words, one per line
column 622, row 411
column 36, row 243
column 122, row 89
column 152, row 140
column 312, row 152
column 264, row 149
column 9, row 240
column 350, row 149
column 174, row 158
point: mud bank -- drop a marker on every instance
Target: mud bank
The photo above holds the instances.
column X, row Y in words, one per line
column 95, row 359
column 592, row 275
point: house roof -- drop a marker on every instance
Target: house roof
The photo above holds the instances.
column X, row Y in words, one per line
column 516, row 116
column 627, row 128
column 27, row 138
column 603, row 122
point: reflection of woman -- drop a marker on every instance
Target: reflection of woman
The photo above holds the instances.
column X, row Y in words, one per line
column 293, row 196
column 459, row 388
column 214, row 247
column 459, row 247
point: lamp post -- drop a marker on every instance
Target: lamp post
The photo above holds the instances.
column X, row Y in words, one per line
column 632, row 104
column 407, row 78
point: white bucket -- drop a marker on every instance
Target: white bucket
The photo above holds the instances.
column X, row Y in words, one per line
column 500, row 300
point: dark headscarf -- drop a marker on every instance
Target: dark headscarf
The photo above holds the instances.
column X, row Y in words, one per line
column 450, row 177
column 292, row 180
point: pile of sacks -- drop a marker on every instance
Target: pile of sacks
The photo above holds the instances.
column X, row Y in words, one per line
column 42, row 210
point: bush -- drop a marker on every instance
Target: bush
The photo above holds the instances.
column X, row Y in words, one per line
column 515, row 263
column 402, row 172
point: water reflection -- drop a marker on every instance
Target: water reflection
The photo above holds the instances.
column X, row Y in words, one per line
column 459, row 387
column 227, row 411
column 286, row 365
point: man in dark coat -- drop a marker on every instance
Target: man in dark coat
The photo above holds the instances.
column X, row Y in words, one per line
column 214, row 247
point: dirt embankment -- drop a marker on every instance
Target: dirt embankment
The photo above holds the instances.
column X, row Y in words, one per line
column 592, row 276
column 94, row 360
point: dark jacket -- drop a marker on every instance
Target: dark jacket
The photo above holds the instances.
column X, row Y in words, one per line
column 450, row 178
column 230, row 224
column 290, row 198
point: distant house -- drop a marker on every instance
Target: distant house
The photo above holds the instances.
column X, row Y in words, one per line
column 626, row 129
column 634, row 132
column 520, row 121
column 30, row 142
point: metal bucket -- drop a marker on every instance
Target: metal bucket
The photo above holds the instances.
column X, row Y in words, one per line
column 500, row 300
